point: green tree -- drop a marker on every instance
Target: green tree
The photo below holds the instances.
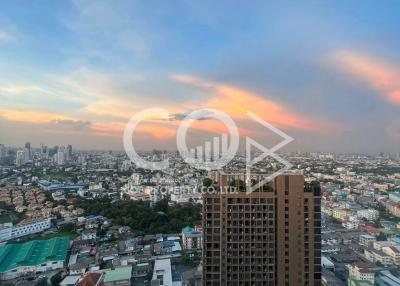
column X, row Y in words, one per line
column 162, row 218
column 68, row 227
column 56, row 279
column 207, row 182
column 42, row 282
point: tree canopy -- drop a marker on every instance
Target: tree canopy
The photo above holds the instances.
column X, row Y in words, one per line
column 141, row 217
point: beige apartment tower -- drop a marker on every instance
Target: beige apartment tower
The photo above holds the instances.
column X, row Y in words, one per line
column 268, row 237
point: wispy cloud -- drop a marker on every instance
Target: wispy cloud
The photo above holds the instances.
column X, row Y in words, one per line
column 20, row 89
column 78, row 124
column 379, row 75
column 105, row 94
column 33, row 116
column 5, row 36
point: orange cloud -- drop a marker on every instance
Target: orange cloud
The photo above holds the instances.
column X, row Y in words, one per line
column 48, row 118
column 32, row 117
column 156, row 130
column 236, row 102
column 108, row 116
column 379, row 75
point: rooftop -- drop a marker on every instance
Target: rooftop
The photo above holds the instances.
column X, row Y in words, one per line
column 187, row 229
column 121, row 273
column 90, row 279
column 32, row 253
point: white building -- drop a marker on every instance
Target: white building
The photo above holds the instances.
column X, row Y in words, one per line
column 192, row 239
column 162, row 272
column 60, row 157
column 367, row 240
column 369, row 214
column 20, row 158
column 393, row 252
column 58, row 196
column 374, row 255
column 26, row 227
column 359, row 272
column 6, row 231
column 89, row 234
column 350, row 224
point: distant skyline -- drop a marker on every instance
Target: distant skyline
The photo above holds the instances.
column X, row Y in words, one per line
column 327, row 73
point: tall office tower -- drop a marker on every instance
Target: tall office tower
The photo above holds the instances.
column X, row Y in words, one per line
column 60, row 156
column 43, row 149
column 268, row 237
column 69, row 150
column 28, row 150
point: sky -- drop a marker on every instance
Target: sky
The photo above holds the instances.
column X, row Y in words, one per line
column 327, row 73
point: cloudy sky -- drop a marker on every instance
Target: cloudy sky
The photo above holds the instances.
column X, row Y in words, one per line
column 325, row 72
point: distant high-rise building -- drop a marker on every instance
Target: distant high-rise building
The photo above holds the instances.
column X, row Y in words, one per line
column 69, row 152
column 20, row 158
column 43, row 149
column 2, row 151
column 27, row 155
column 268, row 237
column 60, row 156
column 28, row 150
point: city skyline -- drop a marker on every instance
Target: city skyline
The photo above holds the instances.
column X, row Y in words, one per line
column 328, row 74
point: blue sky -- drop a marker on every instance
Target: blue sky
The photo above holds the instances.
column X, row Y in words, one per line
column 328, row 73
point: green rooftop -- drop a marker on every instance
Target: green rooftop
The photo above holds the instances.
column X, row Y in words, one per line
column 121, row 273
column 32, row 253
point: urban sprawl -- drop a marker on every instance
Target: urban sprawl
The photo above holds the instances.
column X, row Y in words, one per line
column 71, row 217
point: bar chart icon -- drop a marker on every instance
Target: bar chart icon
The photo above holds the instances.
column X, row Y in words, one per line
column 215, row 153
column 211, row 150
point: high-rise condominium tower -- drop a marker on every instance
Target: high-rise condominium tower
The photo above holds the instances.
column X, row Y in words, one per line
column 268, row 237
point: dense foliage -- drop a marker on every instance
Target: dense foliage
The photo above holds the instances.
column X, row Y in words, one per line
column 42, row 282
column 142, row 218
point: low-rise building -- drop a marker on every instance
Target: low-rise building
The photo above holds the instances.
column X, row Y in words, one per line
column 70, row 280
column 367, row 240
column 26, row 227
column 394, row 209
column 91, row 279
column 120, row 276
column 192, row 239
column 393, row 252
column 89, row 234
column 350, row 224
column 340, row 213
column 162, row 273
column 368, row 214
column 394, row 197
column 31, row 257
column 374, row 255
column 359, row 274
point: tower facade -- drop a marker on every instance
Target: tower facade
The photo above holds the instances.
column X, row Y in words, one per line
column 268, row 237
